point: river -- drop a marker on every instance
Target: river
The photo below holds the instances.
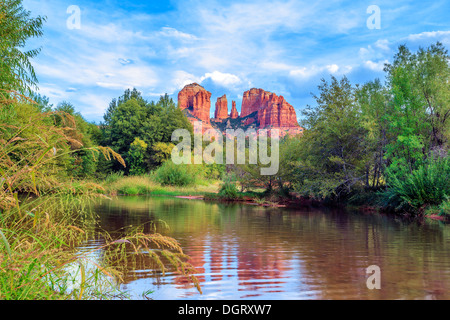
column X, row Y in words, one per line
column 243, row 251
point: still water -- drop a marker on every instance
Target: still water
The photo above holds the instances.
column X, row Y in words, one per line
column 243, row 251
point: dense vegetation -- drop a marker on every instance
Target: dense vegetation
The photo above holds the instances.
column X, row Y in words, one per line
column 385, row 143
column 379, row 144
column 48, row 157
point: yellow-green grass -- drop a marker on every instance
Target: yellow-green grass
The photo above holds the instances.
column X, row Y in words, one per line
column 145, row 185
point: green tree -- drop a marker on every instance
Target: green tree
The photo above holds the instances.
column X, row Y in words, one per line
column 417, row 121
column 419, row 110
column 373, row 99
column 82, row 136
column 16, row 27
column 162, row 151
column 334, row 155
column 131, row 116
column 135, row 157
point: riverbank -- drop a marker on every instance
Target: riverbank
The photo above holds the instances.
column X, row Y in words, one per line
column 214, row 190
column 146, row 185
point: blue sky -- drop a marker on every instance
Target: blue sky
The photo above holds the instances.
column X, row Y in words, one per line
column 284, row 47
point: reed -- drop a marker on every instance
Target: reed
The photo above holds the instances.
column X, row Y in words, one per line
column 45, row 215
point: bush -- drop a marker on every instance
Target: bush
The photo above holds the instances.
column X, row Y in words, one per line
column 445, row 207
column 113, row 177
column 428, row 185
column 174, row 175
column 228, row 190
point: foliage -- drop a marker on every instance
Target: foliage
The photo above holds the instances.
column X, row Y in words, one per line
column 229, row 191
column 427, row 185
column 162, row 152
column 16, row 27
column 419, row 111
column 44, row 210
column 175, row 175
column 334, row 154
column 363, row 139
column 136, row 157
column 444, row 207
column 132, row 117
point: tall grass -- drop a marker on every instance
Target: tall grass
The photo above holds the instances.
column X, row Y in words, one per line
column 38, row 252
column 148, row 185
column 45, row 215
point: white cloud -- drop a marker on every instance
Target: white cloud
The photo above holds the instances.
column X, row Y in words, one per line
column 276, row 66
column 153, row 94
column 308, row 72
column 102, row 69
column 333, row 68
column 383, row 44
column 427, row 35
column 181, row 78
column 375, row 66
column 125, row 61
column 94, row 104
column 223, row 79
column 174, row 33
column 51, row 91
column 304, row 72
column 377, row 50
column 110, row 33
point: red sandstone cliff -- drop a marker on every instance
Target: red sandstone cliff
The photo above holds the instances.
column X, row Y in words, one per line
column 272, row 110
column 221, row 111
column 277, row 113
column 197, row 100
column 234, row 114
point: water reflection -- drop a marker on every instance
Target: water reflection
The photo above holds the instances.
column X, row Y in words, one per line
column 249, row 252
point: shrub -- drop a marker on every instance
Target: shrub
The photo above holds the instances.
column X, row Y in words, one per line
column 445, row 207
column 113, row 177
column 428, row 185
column 174, row 175
column 228, row 190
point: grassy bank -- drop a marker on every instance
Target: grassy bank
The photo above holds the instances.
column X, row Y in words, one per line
column 216, row 190
column 146, row 185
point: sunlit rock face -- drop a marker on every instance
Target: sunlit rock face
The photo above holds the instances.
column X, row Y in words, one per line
column 221, row 111
column 260, row 110
column 197, row 100
column 272, row 110
column 234, row 113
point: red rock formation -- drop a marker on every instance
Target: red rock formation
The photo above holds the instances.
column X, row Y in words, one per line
column 252, row 101
column 197, row 100
column 273, row 110
column 277, row 113
column 221, row 108
column 234, row 114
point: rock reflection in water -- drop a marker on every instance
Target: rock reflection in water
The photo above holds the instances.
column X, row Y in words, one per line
column 250, row 252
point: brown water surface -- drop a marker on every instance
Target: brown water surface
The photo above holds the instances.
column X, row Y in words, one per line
column 250, row 252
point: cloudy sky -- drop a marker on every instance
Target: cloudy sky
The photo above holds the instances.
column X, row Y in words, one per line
column 228, row 47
